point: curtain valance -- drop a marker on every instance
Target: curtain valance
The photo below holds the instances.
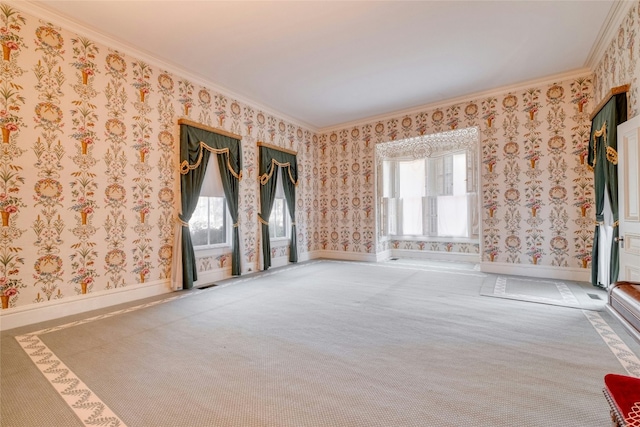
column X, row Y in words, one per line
column 195, row 141
column 272, row 157
column 292, row 172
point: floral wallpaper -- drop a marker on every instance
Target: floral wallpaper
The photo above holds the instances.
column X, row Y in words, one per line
column 536, row 189
column 88, row 164
column 88, row 160
column 537, row 193
column 537, row 198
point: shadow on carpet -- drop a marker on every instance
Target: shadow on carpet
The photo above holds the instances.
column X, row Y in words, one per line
column 543, row 291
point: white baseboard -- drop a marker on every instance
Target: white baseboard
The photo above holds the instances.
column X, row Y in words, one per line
column 334, row 255
column 383, row 256
column 209, row 277
column 280, row 261
column 49, row 310
column 347, row 256
column 307, row 256
column 541, row 271
column 438, row 255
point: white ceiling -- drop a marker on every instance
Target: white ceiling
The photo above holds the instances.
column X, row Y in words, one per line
column 326, row 63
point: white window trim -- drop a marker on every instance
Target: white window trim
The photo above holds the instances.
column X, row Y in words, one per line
column 287, row 225
column 453, row 141
column 287, row 216
column 214, row 247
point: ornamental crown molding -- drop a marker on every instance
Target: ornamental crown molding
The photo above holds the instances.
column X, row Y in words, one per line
column 612, row 23
column 495, row 92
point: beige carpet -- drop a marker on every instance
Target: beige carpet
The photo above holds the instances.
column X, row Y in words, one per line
column 317, row 344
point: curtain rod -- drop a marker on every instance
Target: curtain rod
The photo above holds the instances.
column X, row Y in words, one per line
column 208, row 128
column 613, row 92
column 275, row 147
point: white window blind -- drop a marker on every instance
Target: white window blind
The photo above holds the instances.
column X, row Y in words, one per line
column 212, row 184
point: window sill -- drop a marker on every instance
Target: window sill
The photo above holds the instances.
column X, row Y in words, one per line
column 211, row 250
column 279, row 239
column 430, row 239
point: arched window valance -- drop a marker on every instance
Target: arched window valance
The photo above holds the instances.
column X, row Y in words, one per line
column 197, row 143
column 271, row 158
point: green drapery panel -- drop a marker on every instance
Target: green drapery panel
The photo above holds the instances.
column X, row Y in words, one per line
column 289, row 187
column 196, row 145
column 270, row 159
column 603, row 147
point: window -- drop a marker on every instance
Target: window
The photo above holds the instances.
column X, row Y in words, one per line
column 209, row 223
column 411, row 190
column 279, row 219
column 432, row 195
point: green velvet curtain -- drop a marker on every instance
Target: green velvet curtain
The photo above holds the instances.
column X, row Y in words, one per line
column 289, row 188
column 270, row 160
column 603, row 158
column 196, row 145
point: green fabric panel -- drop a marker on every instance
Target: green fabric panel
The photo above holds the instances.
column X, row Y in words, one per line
column 290, row 195
column 231, row 186
column 267, row 193
column 612, row 184
column 191, row 183
column 612, row 114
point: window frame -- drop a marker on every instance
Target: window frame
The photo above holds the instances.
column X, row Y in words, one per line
column 286, row 218
column 227, row 229
column 426, row 148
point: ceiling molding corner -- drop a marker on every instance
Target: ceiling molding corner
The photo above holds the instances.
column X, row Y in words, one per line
column 470, row 97
column 617, row 13
column 44, row 13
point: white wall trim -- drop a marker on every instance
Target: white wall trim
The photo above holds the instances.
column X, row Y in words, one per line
column 611, row 25
column 280, row 261
column 50, row 15
column 307, row 256
column 541, row 271
column 50, row 310
column 34, row 313
column 438, row 255
column 208, row 277
column 383, row 256
column 347, row 256
column 581, row 72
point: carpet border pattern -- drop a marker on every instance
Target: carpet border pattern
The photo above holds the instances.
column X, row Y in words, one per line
column 623, row 353
column 568, row 298
column 84, row 403
column 92, row 411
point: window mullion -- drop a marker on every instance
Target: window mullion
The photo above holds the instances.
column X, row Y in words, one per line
column 208, row 220
column 396, row 197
